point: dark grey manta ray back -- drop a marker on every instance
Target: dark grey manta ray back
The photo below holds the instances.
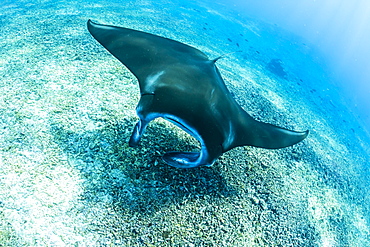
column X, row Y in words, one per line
column 180, row 84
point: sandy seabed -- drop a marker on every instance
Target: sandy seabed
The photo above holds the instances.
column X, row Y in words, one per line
column 68, row 177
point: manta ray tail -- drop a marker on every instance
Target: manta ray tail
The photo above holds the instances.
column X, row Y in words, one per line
column 224, row 55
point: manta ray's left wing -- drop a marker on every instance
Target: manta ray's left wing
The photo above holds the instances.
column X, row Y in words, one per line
column 142, row 53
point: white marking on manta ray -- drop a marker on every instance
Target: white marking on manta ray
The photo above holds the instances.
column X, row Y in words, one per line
column 151, row 81
column 231, row 137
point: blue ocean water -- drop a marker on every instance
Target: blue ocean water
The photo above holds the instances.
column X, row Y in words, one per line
column 47, row 56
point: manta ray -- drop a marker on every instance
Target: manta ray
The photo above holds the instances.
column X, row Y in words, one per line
column 182, row 85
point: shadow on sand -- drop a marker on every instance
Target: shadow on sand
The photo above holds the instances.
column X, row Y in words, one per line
column 136, row 178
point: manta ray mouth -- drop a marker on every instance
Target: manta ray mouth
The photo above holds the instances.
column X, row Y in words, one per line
column 186, row 159
column 179, row 123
